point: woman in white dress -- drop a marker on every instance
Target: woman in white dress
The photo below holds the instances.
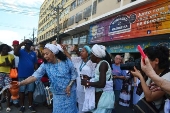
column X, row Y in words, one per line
column 84, row 66
column 104, row 95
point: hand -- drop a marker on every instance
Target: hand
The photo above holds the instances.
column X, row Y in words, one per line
column 84, row 82
column 136, row 73
column 114, row 76
column 3, row 64
column 153, row 87
column 64, row 47
column 23, row 43
column 68, row 90
column 76, row 48
column 146, row 67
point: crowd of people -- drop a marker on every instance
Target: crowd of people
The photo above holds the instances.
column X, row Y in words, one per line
column 88, row 83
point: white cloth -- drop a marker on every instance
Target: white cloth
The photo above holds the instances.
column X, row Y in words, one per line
column 16, row 59
column 99, row 51
column 89, row 101
column 89, row 70
column 52, row 48
column 60, row 48
column 167, row 106
column 108, row 86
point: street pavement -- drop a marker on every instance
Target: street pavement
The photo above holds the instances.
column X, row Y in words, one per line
column 44, row 109
column 39, row 108
column 122, row 109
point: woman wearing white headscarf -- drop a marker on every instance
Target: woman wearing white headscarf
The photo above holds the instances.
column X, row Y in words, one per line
column 104, row 95
column 62, row 75
column 85, row 67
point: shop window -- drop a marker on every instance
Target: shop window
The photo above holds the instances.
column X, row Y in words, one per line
column 83, row 39
column 75, row 40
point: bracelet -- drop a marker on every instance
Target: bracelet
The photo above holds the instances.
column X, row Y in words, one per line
column 88, row 83
column 71, row 83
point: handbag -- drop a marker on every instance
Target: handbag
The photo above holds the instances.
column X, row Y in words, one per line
column 39, row 92
column 147, row 107
column 13, row 73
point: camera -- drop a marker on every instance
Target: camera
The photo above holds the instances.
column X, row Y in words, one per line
column 130, row 65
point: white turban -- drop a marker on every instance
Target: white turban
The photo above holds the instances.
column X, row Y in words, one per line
column 60, row 48
column 52, row 47
column 99, row 51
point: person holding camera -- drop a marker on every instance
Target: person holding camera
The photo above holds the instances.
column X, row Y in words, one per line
column 6, row 63
column 27, row 65
column 159, row 83
column 158, row 58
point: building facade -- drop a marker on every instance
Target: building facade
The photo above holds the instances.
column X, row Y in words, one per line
column 120, row 25
column 72, row 14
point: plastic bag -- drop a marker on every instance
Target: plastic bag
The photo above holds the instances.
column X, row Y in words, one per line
column 13, row 73
column 39, row 93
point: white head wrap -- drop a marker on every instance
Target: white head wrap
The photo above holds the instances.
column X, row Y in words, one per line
column 99, row 51
column 60, row 48
column 52, row 47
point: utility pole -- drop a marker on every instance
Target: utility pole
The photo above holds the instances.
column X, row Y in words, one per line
column 33, row 36
column 57, row 9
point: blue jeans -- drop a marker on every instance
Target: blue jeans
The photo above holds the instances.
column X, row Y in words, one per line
column 29, row 87
column 117, row 94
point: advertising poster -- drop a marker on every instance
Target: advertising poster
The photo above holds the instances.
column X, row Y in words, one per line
column 148, row 20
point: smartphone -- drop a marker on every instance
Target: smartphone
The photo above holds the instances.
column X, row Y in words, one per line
column 7, row 60
column 141, row 51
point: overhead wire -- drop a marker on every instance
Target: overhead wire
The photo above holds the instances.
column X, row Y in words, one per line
column 25, row 10
column 20, row 6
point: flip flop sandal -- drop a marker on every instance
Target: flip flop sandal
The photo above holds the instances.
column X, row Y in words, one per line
column 8, row 109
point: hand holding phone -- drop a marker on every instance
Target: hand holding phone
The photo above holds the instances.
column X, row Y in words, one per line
column 141, row 51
